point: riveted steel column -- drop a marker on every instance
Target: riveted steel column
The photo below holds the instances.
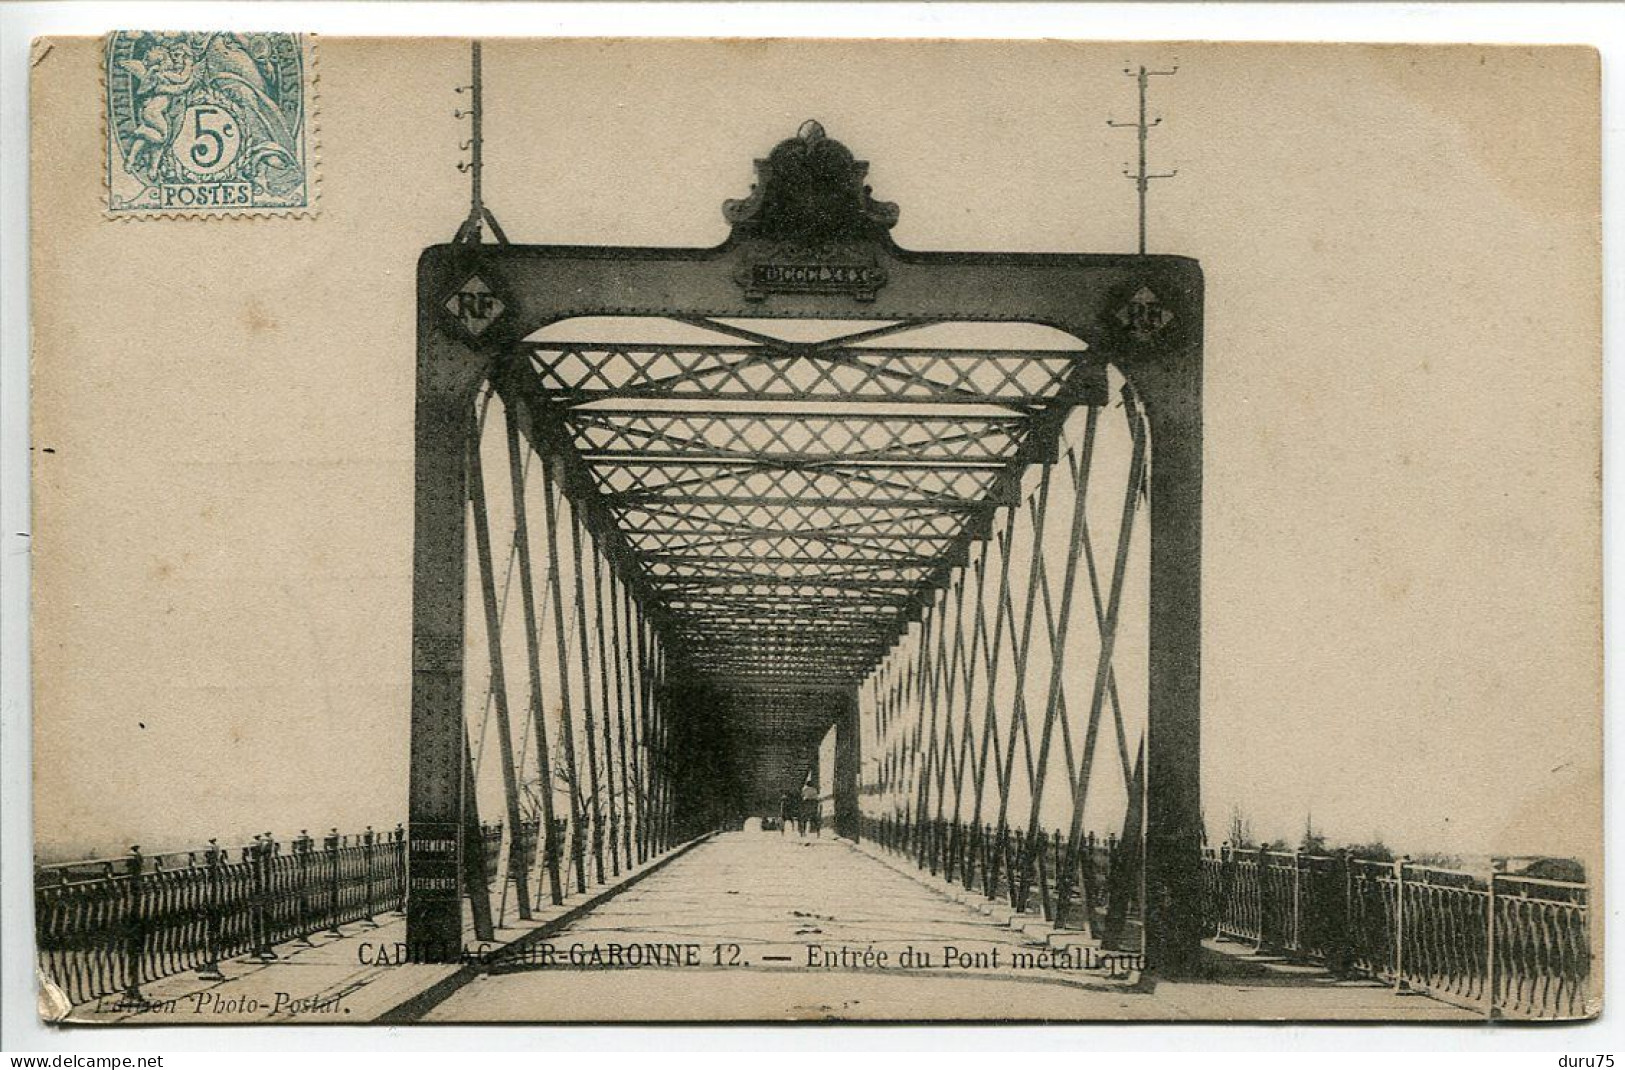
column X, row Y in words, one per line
column 448, row 373
column 848, row 768
column 1171, row 388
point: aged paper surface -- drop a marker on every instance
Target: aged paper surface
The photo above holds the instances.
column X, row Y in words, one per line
column 756, row 701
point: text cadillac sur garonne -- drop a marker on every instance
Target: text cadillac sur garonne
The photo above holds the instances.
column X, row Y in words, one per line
column 615, row 955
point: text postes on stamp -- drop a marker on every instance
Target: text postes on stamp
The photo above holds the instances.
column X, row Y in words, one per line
column 208, row 123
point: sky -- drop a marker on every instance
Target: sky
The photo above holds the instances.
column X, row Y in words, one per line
column 1401, row 568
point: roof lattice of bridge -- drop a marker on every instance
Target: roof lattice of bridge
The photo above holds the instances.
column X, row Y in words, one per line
column 794, row 492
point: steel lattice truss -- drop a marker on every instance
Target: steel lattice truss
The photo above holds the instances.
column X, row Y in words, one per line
column 792, row 506
column 783, row 524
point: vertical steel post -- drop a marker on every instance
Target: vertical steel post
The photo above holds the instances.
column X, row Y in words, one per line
column 1169, row 385
column 917, row 679
column 594, row 802
column 662, row 743
column 533, row 652
column 638, row 715
column 448, row 373
column 560, row 638
column 499, row 674
column 614, row 799
column 631, row 805
column 650, row 758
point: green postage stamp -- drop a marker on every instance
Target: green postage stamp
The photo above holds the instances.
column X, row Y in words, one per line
column 209, row 123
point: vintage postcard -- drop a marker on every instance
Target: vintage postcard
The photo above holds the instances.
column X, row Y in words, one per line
column 814, row 531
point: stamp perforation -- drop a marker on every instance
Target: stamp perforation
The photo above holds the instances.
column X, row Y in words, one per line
column 309, row 137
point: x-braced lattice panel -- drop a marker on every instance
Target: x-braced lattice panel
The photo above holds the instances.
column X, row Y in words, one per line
column 984, row 729
column 793, row 504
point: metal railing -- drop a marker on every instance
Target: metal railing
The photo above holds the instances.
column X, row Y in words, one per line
column 1507, row 945
column 1090, row 885
column 1511, row 946
column 107, row 927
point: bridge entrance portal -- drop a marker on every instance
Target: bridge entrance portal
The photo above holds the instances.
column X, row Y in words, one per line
column 809, row 481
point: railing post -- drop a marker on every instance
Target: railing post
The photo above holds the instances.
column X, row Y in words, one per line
column 1088, row 882
column 1018, row 871
column 1295, row 938
column 301, row 854
column 973, row 855
column 135, row 935
column 1343, row 924
column 397, row 887
column 331, row 845
column 1399, row 923
column 261, row 865
column 1490, row 1010
column 1263, row 864
column 210, row 969
column 367, row 857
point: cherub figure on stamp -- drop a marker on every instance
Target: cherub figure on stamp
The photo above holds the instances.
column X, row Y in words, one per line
column 208, row 123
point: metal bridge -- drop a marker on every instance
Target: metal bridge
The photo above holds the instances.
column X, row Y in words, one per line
column 800, row 483
column 808, row 526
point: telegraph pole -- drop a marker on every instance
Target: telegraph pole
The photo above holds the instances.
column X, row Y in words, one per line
column 1141, row 178
column 479, row 216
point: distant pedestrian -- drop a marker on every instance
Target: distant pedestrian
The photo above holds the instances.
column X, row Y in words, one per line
column 787, row 811
column 809, row 807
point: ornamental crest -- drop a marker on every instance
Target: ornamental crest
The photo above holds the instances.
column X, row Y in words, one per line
column 811, row 190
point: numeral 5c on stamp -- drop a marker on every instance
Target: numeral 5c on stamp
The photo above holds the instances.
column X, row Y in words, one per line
column 208, row 123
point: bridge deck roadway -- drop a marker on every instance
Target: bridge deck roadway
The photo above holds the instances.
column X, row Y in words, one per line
column 764, row 926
